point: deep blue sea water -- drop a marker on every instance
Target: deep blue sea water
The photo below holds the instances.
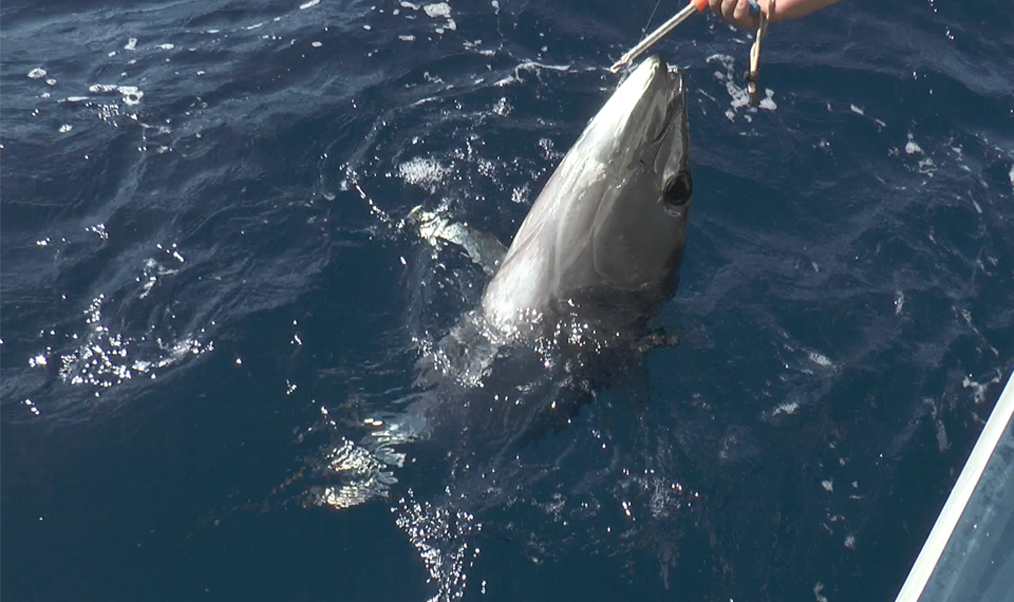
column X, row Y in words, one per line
column 204, row 245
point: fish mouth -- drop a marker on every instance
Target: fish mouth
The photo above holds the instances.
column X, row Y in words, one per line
column 672, row 95
column 659, row 99
column 668, row 121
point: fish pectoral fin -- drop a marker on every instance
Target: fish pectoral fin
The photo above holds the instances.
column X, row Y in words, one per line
column 483, row 248
column 655, row 339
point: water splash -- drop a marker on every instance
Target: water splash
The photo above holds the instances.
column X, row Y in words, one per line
column 105, row 358
column 440, row 534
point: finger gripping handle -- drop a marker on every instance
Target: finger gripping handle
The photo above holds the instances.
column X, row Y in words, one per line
column 703, row 4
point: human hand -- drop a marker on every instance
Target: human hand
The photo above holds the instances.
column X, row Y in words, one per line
column 736, row 12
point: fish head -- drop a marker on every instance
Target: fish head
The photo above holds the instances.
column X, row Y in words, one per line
column 611, row 222
column 641, row 141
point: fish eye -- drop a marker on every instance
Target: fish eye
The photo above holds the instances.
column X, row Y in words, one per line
column 678, row 190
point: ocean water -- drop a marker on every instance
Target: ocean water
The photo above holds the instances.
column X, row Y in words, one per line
column 208, row 282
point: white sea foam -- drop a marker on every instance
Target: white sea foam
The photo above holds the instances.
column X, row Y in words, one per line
column 422, row 171
column 912, row 147
column 131, row 94
column 739, row 95
column 439, row 9
column 820, row 359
